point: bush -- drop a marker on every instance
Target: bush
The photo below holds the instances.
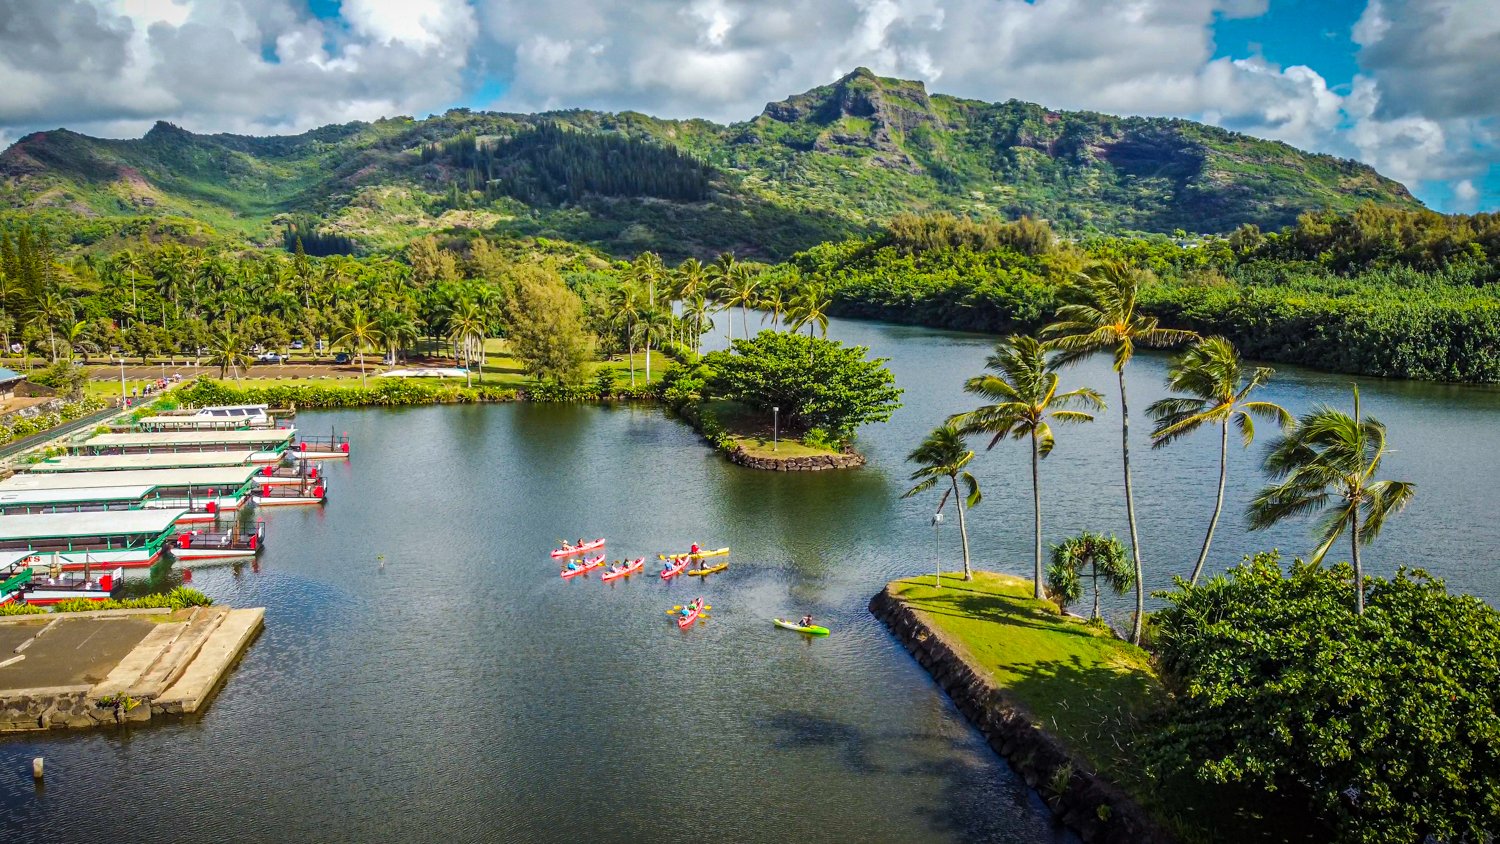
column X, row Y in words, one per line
column 1387, row 722
column 391, row 392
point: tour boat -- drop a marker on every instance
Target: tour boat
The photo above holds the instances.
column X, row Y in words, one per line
column 269, row 444
column 14, row 576
column 294, row 474
column 631, row 568
column 219, row 545
column 571, row 551
column 44, row 588
column 124, row 538
column 72, row 463
column 330, row 447
column 213, row 418
column 205, row 493
column 308, row 492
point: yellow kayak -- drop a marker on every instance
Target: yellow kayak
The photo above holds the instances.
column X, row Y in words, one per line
column 707, row 570
column 722, row 552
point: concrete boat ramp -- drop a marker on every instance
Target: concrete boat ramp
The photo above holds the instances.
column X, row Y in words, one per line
column 97, row 668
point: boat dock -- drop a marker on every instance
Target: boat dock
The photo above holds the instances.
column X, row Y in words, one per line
column 101, row 668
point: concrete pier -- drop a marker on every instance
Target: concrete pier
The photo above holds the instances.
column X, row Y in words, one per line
column 99, row 668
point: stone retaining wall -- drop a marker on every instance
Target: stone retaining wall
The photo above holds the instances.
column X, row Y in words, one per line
column 62, row 707
column 805, row 463
column 1084, row 801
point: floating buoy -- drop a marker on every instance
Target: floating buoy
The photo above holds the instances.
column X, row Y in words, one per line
column 36, row 768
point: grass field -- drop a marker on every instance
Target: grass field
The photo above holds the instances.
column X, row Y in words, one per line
column 754, row 432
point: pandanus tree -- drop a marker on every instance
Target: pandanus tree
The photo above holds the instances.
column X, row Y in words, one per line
column 1101, row 315
column 1021, row 388
column 944, row 456
column 1090, row 555
column 1214, row 391
column 1326, row 464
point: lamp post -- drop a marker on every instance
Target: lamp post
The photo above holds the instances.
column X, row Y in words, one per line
column 775, row 426
column 937, row 519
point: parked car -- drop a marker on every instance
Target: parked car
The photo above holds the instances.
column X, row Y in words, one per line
column 341, row 358
column 270, row 357
column 297, row 345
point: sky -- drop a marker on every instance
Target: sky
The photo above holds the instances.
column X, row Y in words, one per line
column 1407, row 86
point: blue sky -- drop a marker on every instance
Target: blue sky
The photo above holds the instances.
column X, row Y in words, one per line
column 1403, row 85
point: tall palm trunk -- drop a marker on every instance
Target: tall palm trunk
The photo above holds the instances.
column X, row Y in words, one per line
column 1135, row 543
column 361, row 355
column 630, row 354
column 1218, row 502
column 648, row 360
column 745, row 318
column 1036, row 512
column 963, row 527
column 1359, row 570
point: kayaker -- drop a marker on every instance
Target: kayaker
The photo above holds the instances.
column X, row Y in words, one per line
column 806, row 621
column 695, row 549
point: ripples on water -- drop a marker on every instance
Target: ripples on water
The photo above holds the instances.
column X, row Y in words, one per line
column 464, row 692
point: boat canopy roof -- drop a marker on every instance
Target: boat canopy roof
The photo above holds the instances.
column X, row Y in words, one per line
column 259, row 436
column 207, row 476
column 76, row 495
column 123, row 462
column 101, row 523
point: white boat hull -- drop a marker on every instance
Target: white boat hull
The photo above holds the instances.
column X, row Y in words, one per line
column 136, row 558
column 277, row 501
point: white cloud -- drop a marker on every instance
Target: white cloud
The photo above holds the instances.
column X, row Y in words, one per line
column 1465, row 195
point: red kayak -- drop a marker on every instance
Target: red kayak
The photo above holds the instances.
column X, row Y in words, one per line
column 570, row 551
column 675, row 568
column 632, row 568
column 686, row 621
column 591, row 563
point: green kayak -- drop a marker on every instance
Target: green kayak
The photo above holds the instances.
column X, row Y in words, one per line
column 812, row 629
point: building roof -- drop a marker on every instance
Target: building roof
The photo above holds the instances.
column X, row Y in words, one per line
column 10, row 375
column 264, row 436
column 125, row 462
column 105, row 523
column 75, row 495
column 207, row 476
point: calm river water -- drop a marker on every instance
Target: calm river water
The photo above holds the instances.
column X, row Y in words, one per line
column 460, row 691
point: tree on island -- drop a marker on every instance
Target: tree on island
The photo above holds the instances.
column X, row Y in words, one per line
column 1217, row 393
column 820, row 385
column 1091, row 555
column 1327, row 464
column 545, row 327
column 944, row 456
column 1023, row 392
column 1101, row 315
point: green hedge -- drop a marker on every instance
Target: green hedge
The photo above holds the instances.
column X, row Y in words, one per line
column 180, row 598
column 20, row 428
column 395, row 393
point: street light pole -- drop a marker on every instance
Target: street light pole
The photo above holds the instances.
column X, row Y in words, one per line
column 775, row 426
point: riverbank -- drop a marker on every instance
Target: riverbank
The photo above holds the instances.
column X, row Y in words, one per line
column 750, row 443
column 90, row 669
column 1050, row 693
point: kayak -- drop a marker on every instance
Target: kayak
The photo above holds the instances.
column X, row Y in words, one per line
column 632, row 568
column 722, row 552
column 570, row 551
column 591, row 563
column 707, row 570
column 811, row 630
column 674, row 569
column 685, row 621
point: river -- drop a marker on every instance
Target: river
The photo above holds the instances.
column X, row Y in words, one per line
column 424, row 673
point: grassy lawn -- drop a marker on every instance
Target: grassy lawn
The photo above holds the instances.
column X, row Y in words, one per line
column 754, row 433
column 1094, row 692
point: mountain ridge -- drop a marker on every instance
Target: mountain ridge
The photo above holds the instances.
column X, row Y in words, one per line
column 835, row 161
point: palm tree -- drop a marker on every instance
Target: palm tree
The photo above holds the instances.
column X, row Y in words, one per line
column 467, row 329
column 76, row 339
column 1103, row 556
column 396, row 326
column 1101, row 314
column 1023, row 396
column 809, row 307
column 696, row 307
column 1326, row 464
column 651, row 326
column 625, row 301
column 1217, row 392
column 773, row 300
column 739, row 290
column 646, row 270
column 227, row 349
column 359, row 333
column 49, row 311
column 944, row 454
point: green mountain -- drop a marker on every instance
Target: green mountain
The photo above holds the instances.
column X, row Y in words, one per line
column 833, row 162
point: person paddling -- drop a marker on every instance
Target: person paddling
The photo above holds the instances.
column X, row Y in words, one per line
column 695, row 550
column 806, row 621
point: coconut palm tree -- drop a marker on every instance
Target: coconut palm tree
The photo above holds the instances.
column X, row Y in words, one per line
column 1215, row 391
column 741, row 287
column 467, row 328
column 359, row 333
column 1023, row 404
column 944, row 454
column 1327, row 464
column 696, row 307
column 647, row 270
column 773, row 300
column 1101, row 315
column 227, row 348
column 48, row 312
column 809, row 307
column 1102, row 556
column 627, row 305
column 651, row 326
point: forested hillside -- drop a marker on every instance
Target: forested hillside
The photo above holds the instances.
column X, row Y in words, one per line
column 835, row 162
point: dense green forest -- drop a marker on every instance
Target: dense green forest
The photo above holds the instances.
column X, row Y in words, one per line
column 1378, row 291
column 836, row 162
